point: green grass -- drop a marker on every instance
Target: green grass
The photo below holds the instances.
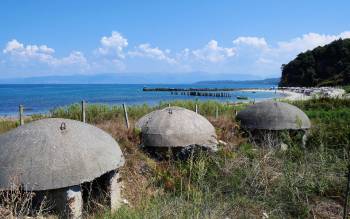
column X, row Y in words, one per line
column 347, row 89
column 244, row 181
column 98, row 112
column 219, row 186
column 240, row 180
column 6, row 125
column 330, row 120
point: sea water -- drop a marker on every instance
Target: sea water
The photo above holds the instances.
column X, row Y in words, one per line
column 45, row 97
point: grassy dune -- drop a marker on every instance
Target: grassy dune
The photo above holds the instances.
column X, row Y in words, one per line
column 241, row 180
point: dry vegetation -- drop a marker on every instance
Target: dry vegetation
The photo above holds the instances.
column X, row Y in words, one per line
column 15, row 203
column 241, row 180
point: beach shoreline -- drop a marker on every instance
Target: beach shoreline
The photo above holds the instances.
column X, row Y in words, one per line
column 300, row 93
column 287, row 95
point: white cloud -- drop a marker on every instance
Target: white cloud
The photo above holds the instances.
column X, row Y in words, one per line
column 251, row 41
column 18, row 52
column 113, row 45
column 74, row 58
column 271, row 58
column 41, row 53
column 211, row 52
column 46, row 49
column 146, row 50
column 12, row 46
column 296, row 45
column 247, row 54
column 309, row 41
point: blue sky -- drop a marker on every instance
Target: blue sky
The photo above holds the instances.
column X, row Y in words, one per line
column 125, row 37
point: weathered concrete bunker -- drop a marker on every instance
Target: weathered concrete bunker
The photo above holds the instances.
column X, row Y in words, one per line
column 273, row 116
column 176, row 127
column 58, row 155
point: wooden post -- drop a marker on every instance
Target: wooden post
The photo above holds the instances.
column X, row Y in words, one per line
column 21, row 118
column 217, row 112
column 126, row 116
column 196, row 108
column 83, row 115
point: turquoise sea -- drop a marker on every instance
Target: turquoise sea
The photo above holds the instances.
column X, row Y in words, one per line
column 44, row 97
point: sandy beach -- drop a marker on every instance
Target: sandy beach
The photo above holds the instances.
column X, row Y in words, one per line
column 300, row 93
column 287, row 95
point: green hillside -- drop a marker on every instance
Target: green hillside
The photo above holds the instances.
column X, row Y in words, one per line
column 328, row 65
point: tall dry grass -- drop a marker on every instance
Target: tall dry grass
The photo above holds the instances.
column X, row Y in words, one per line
column 17, row 203
column 241, row 180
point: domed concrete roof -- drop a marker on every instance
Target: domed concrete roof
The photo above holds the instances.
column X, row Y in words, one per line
column 272, row 115
column 177, row 127
column 56, row 153
column 143, row 120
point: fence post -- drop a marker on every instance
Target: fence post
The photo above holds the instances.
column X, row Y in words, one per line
column 235, row 112
column 126, row 116
column 21, row 118
column 83, row 115
column 217, row 112
column 196, row 108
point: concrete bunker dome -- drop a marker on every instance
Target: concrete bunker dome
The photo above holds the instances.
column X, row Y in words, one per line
column 176, row 127
column 58, row 154
column 143, row 120
column 273, row 115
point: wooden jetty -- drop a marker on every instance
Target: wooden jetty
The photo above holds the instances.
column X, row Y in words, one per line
column 167, row 89
column 202, row 94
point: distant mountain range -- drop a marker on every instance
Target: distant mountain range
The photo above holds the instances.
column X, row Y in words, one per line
column 135, row 78
column 264, row 81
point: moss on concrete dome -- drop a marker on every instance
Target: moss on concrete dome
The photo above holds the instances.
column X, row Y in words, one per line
column 56, row 153
column 273, row 115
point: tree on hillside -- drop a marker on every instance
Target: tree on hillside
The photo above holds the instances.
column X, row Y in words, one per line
column 326, row 65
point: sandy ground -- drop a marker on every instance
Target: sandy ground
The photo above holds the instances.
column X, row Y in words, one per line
column 290, row 94
column 287, row 95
